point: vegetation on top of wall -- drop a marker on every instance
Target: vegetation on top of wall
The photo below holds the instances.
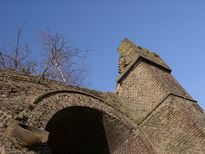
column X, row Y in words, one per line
column 60, row 61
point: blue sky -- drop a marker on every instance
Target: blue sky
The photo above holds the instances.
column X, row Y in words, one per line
column 173, row 29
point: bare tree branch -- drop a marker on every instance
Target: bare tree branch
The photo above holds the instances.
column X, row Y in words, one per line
column 61, row 59
column 16, row 56
column 60, row 62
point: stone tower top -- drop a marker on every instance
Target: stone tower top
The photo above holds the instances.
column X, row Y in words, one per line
column 130, row 54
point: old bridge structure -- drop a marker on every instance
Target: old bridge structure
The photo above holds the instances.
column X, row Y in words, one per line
column 149, row 112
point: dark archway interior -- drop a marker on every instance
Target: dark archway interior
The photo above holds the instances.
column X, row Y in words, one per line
column 77, row 130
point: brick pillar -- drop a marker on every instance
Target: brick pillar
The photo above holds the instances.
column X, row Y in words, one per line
column 144, row 80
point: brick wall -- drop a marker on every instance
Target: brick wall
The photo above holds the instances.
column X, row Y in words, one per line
column 142, row 91
column 150, row 112
column 35, row 101
column 171, row 128
column 168, row 116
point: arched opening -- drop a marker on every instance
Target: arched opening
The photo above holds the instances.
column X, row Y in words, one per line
column 77, row 130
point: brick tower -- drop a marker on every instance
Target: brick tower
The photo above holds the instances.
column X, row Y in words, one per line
column 166, row 113
column 149, row 113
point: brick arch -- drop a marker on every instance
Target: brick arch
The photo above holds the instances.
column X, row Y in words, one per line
column 46, row 105
column 121, row 132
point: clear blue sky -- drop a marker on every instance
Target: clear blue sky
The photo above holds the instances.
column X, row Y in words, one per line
column 173, row 29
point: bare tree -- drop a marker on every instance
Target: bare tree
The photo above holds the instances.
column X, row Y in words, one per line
column 60, row 61
column 15, row 55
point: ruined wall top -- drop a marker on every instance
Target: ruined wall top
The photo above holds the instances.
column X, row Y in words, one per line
column 131, row 53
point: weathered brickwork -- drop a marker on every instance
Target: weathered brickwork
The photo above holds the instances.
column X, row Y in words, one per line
column 47, row 107
column 158, row 85
column 123, row 139
column 169, row 117
column 172, row 129
column 129, row 52
column 168, row 80
column 149, row 112
column 4, row 118
column 118, row 127
column 147, row 96
column 37, row 105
